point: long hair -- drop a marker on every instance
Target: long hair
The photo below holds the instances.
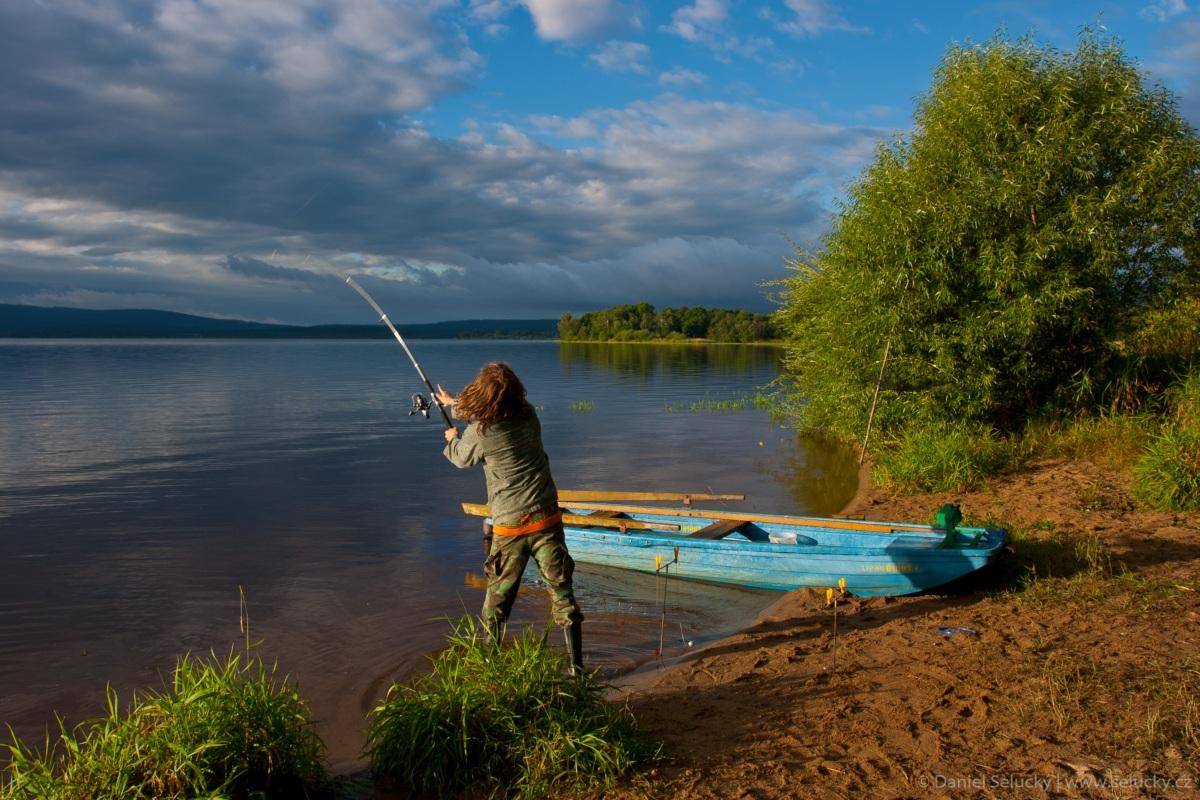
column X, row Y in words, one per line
column 495, row 395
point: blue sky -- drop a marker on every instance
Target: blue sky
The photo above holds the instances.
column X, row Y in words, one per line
column 483, row 158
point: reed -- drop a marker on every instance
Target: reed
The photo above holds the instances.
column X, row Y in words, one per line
column 223, row 727
column 583, row 406
column 501, row 721
column 710, row 405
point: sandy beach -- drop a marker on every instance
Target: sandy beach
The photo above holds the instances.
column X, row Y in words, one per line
column 1082, row 686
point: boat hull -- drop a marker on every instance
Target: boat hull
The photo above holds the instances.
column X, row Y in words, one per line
column 873, row 563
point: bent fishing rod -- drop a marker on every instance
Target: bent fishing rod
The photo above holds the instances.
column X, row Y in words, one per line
column 420, row 403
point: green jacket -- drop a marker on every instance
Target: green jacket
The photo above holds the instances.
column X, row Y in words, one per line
column 514, row 462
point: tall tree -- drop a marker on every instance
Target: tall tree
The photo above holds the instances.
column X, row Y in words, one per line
column 1045, row 202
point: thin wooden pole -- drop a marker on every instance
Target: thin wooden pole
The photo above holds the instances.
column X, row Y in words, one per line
column 818, row 522
column 602, row 496
column 481, row 510
column 871, row 418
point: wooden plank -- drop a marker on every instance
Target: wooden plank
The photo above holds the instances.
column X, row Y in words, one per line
column 619, row 516
column 719, row 529
column 601, row 496
column 778, row 519
column 481, row 510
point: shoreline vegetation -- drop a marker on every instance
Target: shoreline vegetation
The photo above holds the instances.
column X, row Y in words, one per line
column 641, row 322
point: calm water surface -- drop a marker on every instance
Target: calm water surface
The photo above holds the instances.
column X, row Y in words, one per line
column 141, row 483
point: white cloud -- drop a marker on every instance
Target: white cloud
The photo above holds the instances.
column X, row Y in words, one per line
column 813, row 18
column 622, row 57
column 490, row 10
column 1163, row 10
column 700, row 20
column 391, row 56
column 681, row 78
column 574, row 20
column 1179, row 63
column 703, row 22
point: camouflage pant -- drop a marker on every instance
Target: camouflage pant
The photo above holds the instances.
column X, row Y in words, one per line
column 506, row 563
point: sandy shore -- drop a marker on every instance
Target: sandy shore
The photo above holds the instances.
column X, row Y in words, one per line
column 1085, row 687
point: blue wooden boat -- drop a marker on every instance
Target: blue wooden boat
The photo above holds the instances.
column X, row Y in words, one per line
column 780, row 552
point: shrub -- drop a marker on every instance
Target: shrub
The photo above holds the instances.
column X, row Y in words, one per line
column 506, row 721
column 1009, row 249
column 1167, row 476
column 223, row 727
column 943, row 458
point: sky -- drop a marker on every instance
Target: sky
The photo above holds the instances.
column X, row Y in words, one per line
column 469, row 159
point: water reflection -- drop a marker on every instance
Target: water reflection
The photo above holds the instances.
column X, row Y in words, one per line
column 649, row 359
column 819, row 473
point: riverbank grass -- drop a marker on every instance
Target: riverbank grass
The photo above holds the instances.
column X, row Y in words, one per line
column 503, row 721
column 944, row 457
column 1167, row 476
column 223, row 727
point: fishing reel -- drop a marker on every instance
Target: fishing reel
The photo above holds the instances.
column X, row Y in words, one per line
column 420, row 405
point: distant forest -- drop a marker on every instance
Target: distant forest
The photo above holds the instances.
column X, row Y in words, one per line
column 18, row 321
column 642, row 322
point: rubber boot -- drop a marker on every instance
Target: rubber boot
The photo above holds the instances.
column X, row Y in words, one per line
column 574, row 637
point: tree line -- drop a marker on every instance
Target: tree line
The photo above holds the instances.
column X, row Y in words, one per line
column 639, row 322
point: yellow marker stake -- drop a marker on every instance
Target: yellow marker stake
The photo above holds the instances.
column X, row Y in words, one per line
column 657, row 563
column 842, row 584
column 831, row 599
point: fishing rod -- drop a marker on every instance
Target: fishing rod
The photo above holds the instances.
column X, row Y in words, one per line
column 421, row 404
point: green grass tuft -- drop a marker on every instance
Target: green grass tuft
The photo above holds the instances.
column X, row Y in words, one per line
column 506, row 721
column 943, row 458
column 1167, row 476
column 583, row 406
column 229, row 728
column 1112, row 439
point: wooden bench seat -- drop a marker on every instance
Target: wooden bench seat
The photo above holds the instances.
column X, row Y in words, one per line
column 719, row 529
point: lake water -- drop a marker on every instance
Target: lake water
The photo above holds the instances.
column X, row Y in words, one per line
column 143, row 482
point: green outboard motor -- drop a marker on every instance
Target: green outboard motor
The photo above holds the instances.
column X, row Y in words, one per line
column 948, row 517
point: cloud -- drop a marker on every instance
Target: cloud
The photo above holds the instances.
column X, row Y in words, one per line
column 184, row 154
column 809, row 18
column 1163, row 10
column 575, row 20
column 681, row 78
column 698, row 21
column 622, row 57
column 1179, row 62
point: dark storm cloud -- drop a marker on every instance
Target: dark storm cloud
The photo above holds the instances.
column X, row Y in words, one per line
column 261, row 270
column 229, row 154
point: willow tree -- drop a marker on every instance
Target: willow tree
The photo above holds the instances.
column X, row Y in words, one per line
column 1009, row 249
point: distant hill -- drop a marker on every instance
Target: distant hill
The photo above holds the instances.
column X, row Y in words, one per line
column 38, row 322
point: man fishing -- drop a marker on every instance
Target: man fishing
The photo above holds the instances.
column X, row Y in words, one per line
column 505, row 436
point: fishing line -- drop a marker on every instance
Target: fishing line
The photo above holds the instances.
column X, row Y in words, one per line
column 663, row 571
